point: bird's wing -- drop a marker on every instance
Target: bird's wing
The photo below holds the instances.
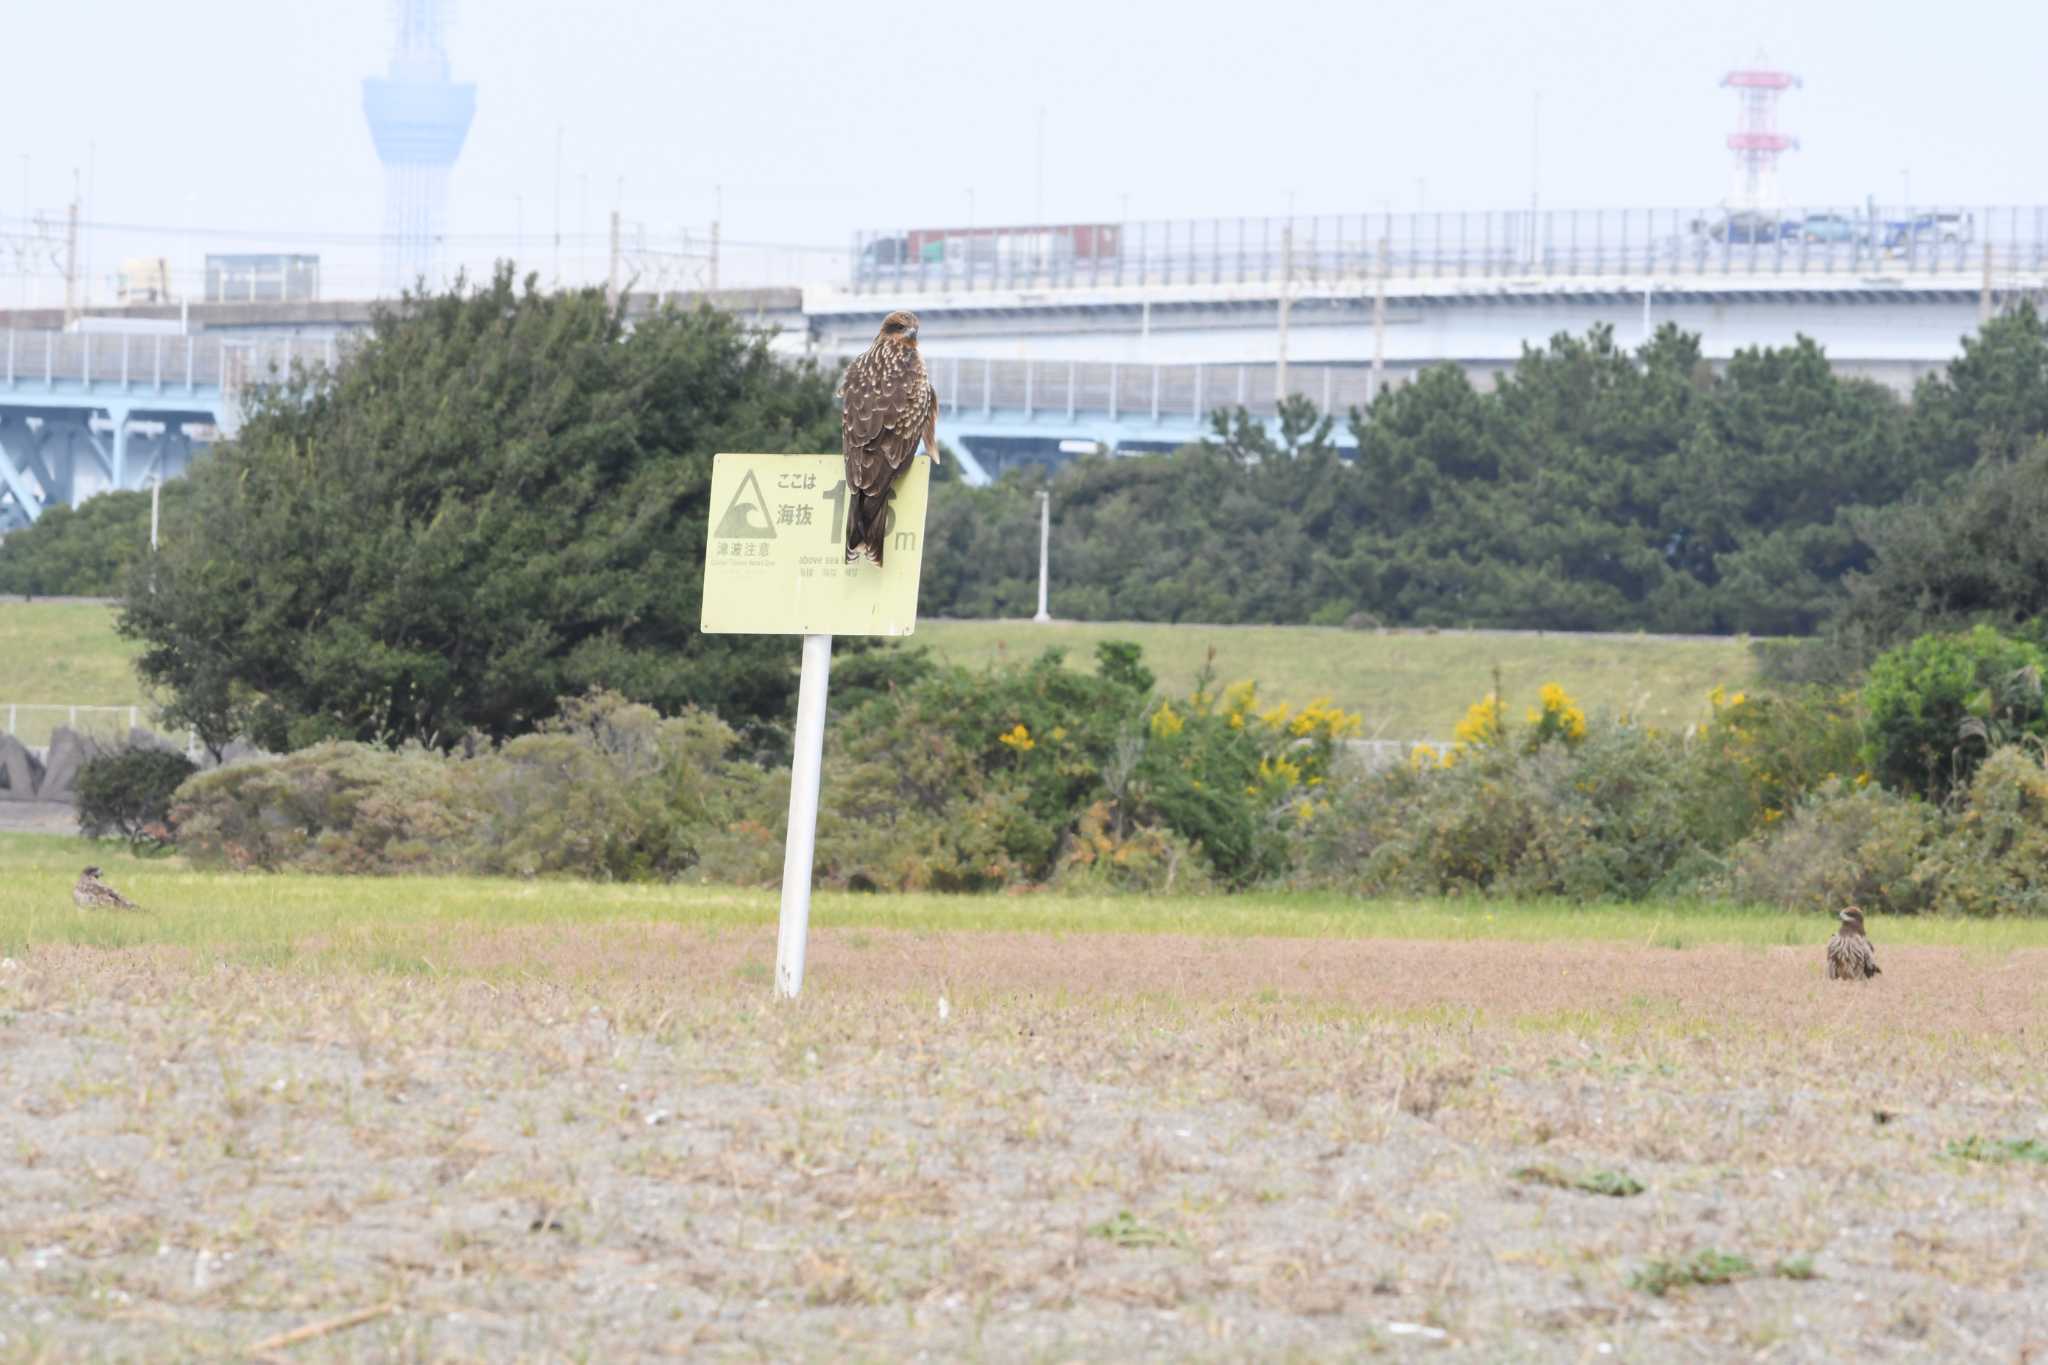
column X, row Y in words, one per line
column 881, row 418
column 863, row 400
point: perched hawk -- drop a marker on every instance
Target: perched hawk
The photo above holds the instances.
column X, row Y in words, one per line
column 93, row 894
column 888, row 406
column 1850, row 956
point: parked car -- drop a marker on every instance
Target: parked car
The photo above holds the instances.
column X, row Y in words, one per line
column 1929, row 229
column 1749, row 226
column 1834, row 227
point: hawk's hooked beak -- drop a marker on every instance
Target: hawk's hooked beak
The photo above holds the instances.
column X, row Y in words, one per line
column 910, row 332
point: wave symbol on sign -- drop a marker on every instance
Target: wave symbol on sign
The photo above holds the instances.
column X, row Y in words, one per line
column 746, row 518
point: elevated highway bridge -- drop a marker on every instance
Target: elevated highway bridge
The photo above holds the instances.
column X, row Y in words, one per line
column 1040, row 351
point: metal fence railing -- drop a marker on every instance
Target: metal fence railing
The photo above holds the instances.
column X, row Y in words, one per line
column 1824, row 240
column 34, row 722
column 127, row 363
column 1122, row 392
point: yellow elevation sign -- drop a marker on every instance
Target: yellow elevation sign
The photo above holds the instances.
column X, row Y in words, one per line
column 775, row 563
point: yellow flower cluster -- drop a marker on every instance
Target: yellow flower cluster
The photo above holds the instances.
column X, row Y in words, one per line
column 1484, row 723
column 1166, row 722
column 1721, row 697
column 1429, row 756
column 1559, row 717
column 1321, row 720
column 1018, row 738
column 1279, row 769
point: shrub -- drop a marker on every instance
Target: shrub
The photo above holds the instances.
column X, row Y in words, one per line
column 336, row 807
column 1558, row 720
column 128, row 792
column 1152, row 860
column 1758, row 755
column 1842, row 844
column 1994, row 860
column 608, row 790
column 1607, row 819
column 1940, row 704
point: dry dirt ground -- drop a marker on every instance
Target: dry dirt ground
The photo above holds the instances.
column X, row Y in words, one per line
column 609, row 1144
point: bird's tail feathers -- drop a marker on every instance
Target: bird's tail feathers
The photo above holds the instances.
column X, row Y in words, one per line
column 864, row 524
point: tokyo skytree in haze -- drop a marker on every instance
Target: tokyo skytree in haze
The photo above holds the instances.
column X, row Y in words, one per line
column 418, row 119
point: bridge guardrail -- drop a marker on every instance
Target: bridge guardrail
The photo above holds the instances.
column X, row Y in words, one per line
column 1122, row 391
column 1822, row 240
column 127, row 363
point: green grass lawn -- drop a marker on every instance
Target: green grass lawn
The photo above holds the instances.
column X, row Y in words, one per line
column 1408, row 684
column 386, row 921
column 62, row 654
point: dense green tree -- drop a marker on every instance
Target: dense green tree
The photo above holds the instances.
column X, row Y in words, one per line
column 497, row 502
column 1976, row 553
column 1991, row 401
column 84, row 551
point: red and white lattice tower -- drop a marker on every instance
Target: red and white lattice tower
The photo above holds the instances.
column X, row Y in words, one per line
column 1756, row 141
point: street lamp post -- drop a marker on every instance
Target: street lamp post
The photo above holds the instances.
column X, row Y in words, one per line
column 1044, row 550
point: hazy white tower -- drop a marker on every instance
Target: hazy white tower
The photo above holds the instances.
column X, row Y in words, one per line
column 418, row 119
column 1756, row 141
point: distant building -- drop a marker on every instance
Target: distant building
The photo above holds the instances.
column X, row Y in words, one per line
column 262, row 277
column 145, row 279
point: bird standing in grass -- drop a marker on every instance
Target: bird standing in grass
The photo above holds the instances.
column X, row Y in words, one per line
column 1850, row 956
column 93, row 894
column 887, row 406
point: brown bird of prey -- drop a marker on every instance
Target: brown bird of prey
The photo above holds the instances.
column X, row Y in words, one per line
column 887, row 407
column 1850, row 956
column 93, row 894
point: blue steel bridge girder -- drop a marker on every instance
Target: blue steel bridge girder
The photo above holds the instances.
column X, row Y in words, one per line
column 26, row 504
column 45, row 447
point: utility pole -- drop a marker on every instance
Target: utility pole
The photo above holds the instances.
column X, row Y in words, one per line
column 71, row 264
column 1984, row 294
column 92, row 158
column 717, row 215
column 1379, row 322
column 1535, row 166
column 1286, row 298
column 1039, row 212
column 611, row 278
column 21, row 256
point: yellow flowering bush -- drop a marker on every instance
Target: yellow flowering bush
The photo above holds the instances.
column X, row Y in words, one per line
column 1758, row 756
column 1484, row 725
column 1018, row 738
column 1557, row 720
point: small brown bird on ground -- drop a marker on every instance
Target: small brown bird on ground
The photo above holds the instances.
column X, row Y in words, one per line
column 887, row 406
column 93, row 894
column 1850, row 956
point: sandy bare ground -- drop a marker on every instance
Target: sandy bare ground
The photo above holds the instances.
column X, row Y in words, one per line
column 609, row 1144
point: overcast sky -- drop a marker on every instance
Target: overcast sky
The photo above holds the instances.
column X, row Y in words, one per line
column 821, row 118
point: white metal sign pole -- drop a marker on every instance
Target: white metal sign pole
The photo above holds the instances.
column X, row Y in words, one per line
column 1044, row 550
column 800, row 849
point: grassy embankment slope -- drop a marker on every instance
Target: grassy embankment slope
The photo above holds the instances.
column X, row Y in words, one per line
column 1407, row 684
